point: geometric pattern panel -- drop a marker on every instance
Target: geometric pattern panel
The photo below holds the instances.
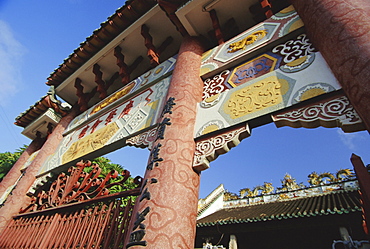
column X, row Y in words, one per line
column 264, row 85
column 336, row 111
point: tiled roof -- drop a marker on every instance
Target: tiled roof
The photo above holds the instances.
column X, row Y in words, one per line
column 115, row 24
column 338, row 202
column 41, row 106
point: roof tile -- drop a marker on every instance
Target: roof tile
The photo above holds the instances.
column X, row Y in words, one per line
column 338, row 202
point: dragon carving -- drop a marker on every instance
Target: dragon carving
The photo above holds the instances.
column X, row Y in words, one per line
column 250, row 39
column 267, row 188
column 289, row 183
column 315, row 179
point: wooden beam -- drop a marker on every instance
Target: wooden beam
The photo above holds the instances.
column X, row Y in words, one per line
column 99, row 81
column 83, row 98
column 216, row 27
column 123, row 68
column 152, row 52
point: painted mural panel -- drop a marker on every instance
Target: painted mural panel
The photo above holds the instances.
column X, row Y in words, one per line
column 279, row 25
column 289, row 73
column 108, row 122
column 125, row 92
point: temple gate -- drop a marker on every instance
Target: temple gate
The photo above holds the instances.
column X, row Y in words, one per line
column 191, row 107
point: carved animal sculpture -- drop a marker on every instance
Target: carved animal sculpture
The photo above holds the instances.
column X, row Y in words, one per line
column 313, row 178
column 230, row 196
column 343, row 174
column 326, row 178
column 250, row 39
column 289, row 183
column 268, row 188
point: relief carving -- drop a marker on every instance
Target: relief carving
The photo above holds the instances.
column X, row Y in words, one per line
column 253, row 98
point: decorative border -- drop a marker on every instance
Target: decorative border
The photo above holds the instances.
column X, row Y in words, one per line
column 143, row 140
column 336, row 111
column 209, row 149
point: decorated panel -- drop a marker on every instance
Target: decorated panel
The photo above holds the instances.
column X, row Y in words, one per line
column 287, row 74
column 279, row 25
column 120, row 116
column 135, row 86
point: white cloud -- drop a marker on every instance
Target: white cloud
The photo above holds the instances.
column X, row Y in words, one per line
column 348, row 139
column 11, row 57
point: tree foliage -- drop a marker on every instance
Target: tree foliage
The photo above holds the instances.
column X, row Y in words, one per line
column 8, row 159
column 107, row 166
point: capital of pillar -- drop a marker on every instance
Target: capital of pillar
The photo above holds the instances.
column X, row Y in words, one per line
column 340, row 29
column 165, row 212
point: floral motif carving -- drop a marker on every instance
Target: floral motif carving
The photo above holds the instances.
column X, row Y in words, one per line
column 209, row 149
column 337, row 112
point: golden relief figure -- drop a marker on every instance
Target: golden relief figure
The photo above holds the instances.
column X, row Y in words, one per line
column 90, row 143
column 109, row 100
column 258, row 96
column 250, row 39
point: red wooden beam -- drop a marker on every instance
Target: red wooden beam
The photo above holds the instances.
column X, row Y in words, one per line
column 152, row 52
column 99, row 81
column 266, row 6
column 216, row 27
column 83, row 98
column 123, row 68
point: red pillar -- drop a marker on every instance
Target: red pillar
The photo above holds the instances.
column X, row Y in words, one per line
column 363, row 179
column 165, row 213
column 15, row 172
column 18, row 198
column 340, row 30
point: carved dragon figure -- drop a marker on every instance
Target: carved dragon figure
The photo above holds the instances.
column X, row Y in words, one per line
column 250, row 39
column 289, row 183
column 326, row 178
column 316, row 179
column 228, row 196
column 267, row 188
column 245, row 192
column 344, row 174
column 313, row 179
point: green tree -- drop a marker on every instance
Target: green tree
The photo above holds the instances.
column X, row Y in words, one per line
column 8, row 159
column 107, row 166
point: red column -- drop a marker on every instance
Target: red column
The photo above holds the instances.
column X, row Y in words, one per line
column 340, row 29
column 18, row 198
column 15, row 172
column 165, row 213
column 363, row 179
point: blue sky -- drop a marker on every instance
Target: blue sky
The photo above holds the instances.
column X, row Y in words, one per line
column 36, row 36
